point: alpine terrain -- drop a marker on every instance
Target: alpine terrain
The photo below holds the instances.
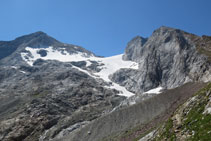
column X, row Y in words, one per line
column 158, row 89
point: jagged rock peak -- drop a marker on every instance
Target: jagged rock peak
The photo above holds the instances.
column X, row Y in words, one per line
column 169, row 58
column 165, row 29
column 140, row 39
column 33, row 35
column 37, row 39
column 133, row 48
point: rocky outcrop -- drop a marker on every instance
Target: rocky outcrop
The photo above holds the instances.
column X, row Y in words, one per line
column 168, row 58
column 51, row 96
column 134, row 48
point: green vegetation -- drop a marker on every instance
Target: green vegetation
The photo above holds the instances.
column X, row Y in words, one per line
column 195, row 124
column 168, row 132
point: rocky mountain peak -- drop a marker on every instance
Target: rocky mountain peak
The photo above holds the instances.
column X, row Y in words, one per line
column 168, row 58
column 140, row 39
column 134, row 48
column 166, row 34
column 138, row 46
column 37, row 39
column 23, row 49
column 163, row 30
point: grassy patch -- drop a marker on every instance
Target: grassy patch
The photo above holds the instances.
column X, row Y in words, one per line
column 198, row 124
column 195, row 123
column 168, row 133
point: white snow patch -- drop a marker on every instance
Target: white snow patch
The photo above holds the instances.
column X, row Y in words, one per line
column 88, row 63
column 154, row 91
column 22, row 71
column 14, row 67
column 111, row 64
column 53, row 54
column 123, row 90
column 84, row 71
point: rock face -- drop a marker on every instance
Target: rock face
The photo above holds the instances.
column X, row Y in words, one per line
column 47, row 95
column 134, row 49
column 168, row 58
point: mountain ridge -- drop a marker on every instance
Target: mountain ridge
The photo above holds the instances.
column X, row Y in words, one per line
column 52, row 89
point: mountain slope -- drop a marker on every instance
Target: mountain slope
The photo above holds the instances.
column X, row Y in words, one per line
column 34, row 40
column 46, row 84
column 191, row 121
column 127, row 123
column 49, row 89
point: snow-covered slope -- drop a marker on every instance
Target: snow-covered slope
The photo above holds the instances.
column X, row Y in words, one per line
column 109, row 64
column 154, row 91
column 59, row 54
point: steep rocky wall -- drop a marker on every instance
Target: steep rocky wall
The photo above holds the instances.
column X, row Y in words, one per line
column 169, row 58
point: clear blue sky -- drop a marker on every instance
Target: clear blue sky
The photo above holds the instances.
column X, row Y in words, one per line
column 102, row 26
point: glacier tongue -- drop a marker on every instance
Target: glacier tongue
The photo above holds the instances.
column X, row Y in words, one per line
column 110, row 64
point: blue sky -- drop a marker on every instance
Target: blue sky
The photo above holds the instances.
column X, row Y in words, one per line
column 102, row 26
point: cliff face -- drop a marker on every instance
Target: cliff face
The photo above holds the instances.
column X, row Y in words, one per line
column 169, row 58
column 134, row 49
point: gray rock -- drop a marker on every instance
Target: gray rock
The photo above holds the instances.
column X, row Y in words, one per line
column 134, row 48
column 168, row 58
